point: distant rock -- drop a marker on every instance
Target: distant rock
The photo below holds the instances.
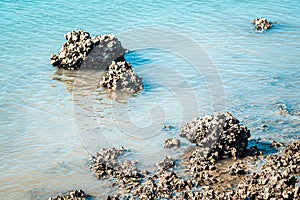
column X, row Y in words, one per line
column 83, row 51
column 262, row 24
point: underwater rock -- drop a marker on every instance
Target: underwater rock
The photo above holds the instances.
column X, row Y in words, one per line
column 72, row 195
column 221, row 133
column 119, row 76
column 165, row 163
column 171, row 143
column 262, row 24
column 83, row 51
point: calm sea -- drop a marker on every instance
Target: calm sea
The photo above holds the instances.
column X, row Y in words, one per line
column 195, row 57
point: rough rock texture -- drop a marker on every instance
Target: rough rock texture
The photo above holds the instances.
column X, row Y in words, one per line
column 262, row 24
column 277, row 144
column 120, row 77
column 270, row 183
column 165, row 163
column 221, row 133
column 72, row 195
column 83, row 51
column 171, row 143
column 105, row 164
column 237, row 168
column 290, row 161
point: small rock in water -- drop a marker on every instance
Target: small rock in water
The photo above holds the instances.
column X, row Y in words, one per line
column 119, row 76
column 72, row 195
column 262, row 24
column 171, row 143
column 277, row 144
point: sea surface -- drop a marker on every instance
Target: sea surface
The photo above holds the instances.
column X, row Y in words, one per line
column 195, row 57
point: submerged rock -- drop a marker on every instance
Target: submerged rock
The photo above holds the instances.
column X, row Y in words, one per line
column 119, row 76
column 171, row 143
column 83, row 51
column 221, row 133
column 72, row 195
column 262, row 24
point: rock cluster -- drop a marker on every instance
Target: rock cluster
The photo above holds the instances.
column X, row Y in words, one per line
column 96, row 52
column 166, row 184
column 205, row 177
column 105, row 164
column 171, row 143
column 72, row 195
column 276, row 181
column 238, row 168
column 119, row 76
column 290, row 161
column 165, row 163
column 277, row 144
column 262, row 24
column 220, row 134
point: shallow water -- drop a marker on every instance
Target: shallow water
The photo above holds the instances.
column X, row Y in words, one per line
column 195, row 57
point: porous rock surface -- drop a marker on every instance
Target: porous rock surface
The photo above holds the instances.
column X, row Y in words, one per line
column 290, row 161
column 171, row 143
column 119, row 76
column 72, row 195
column 83, row 51
column 205, row 177
column 220, row 133
column 262, row 24
column 105, row 164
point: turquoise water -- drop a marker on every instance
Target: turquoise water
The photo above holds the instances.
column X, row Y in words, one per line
column 50, row 122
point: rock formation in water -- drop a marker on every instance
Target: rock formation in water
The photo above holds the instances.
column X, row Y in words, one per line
column 72, row 195
column 171, row 143
column 83, row 51
column 105, row 164
column 262, row 24
column 220, row 134
column 119, row 76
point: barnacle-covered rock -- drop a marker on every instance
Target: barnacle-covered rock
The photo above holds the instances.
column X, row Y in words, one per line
column 119, row 76
column 220, row 133
column 72, row 195
column 171, row 143
column 83, row 51
column 262, row 24
column 105, row 164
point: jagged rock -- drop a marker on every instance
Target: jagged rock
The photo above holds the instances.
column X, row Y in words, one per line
column 166, row 163
column 290, row 160
column 238, row 168
column 72, row 195
column 171, row 143
column 262, row 24
column 83, row 51
column 105, row 164
column 120, row 77
column 276, row 144
column 220, row 133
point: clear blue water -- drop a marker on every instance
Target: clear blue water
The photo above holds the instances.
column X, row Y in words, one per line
column 49, row 127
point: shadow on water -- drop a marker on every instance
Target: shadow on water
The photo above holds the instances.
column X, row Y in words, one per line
column 137, row 59
column 264, row 146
